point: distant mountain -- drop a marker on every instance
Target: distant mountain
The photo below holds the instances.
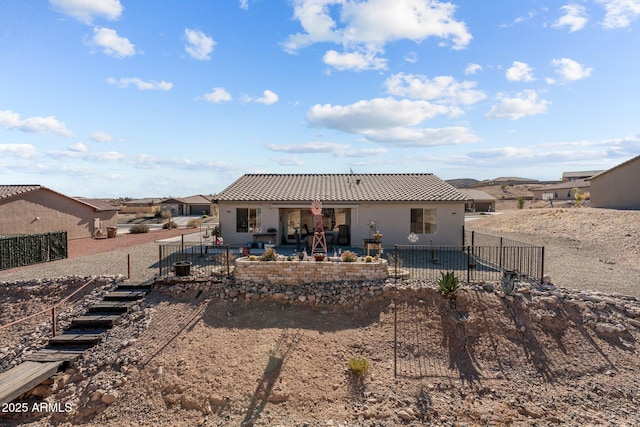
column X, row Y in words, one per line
column 463, row 182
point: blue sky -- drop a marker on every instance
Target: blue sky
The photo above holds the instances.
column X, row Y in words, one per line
column 109, row 98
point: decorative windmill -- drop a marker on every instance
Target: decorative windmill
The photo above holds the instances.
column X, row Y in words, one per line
column 318, row 227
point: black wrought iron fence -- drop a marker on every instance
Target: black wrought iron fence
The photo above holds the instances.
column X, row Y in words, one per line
column 470, row 263
column 26, row 249
column 201, row 260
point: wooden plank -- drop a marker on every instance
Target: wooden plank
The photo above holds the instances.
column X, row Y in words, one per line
column 112, row 306
column 83, row 339
column 55, row 355
column 104, row 320
column 124, row 295
column 22, row 378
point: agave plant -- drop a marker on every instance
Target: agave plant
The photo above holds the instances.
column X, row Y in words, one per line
column 508, row 282
column 448, row 284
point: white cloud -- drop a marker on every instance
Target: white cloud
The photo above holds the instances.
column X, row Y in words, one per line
column 415, row 137
column 442, row 88
column 99, row 136
column 111, row 43
column 322, row 147
column 244, row 4
column 268, row 98
column 139, row 83
column 520, row 71
column 378, row 113
column 570, row 69
column 355, row 61
column 199, row 45
column 78, row 147
column 36, row 124
column 619, row 13
column 86, row 11
column 472, row 68
column 575, row 17
column 218, row 94
column 367, row 26
column 523, row 104
column 288, row 161
column 23, row 151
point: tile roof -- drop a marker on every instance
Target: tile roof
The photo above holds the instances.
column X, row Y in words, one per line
column 341, row 188
column 579, row 183
column 7, row 191
column 621, row 165
column 477, row 194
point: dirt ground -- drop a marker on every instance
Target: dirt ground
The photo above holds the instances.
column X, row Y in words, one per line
column 546, row 356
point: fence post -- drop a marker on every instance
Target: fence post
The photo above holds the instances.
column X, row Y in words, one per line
column 128, row 266
column 395, row 261
column 542, row 265
column 160, row 260
column 395, row 340
column 468, row 264
column 53, row 321
column 500, row 249
column 228, row 262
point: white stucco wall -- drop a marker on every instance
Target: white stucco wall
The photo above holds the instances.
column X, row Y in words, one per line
column 392, row 219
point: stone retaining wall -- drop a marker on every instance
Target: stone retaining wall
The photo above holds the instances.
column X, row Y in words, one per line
column 300, row 272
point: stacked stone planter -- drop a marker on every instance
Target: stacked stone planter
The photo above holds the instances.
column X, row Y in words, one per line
column 299, row 272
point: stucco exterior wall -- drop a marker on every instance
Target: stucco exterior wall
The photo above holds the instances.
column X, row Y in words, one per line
column 392, row 219
column 617, row 188
column 44, row 211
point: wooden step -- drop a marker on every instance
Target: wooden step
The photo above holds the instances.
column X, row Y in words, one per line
column 148, row 285
column 55, row 355
column 96, row 320
column 111, row 307
column 22, row 378
column 77, row 338
column 125, row 295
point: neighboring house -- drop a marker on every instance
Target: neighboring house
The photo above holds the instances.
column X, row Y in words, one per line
column 27, row 209
column 573, row 176
column 479, row 201
column 277, row 207
column 561, row 191
column 198, row 205
column 617, row 187
column 192, row 205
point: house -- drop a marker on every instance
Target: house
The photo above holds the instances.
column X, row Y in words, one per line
column 27, row 209
column 617, row 187
column 277, row 208
column 561, row 191
column 573, row 176
column 192, row 205
column 479, row 201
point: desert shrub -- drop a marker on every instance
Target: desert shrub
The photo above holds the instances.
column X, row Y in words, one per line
column 157, row 212
column 369, row 258
column 448, row 284
column 269, row 255
column 194, row 223
column 520, row 202
column 165, row 213
column 348, row 256
column 139, row 228
column 253, row 258
column 169, row 225
column 358, row 366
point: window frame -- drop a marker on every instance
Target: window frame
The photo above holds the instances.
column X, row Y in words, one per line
column 252, row 220
column 424, row 223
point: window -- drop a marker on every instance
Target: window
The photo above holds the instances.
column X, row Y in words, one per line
column 248, row 220
column 423, row 221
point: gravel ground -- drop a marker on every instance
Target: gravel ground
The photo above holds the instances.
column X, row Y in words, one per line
column 90, row 257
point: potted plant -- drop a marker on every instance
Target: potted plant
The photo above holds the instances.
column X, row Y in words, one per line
column 318, row 256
